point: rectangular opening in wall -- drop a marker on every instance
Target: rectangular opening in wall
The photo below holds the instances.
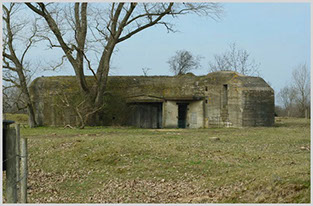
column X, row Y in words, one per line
column 145, row 115
column 225, row 95
column 182, row 114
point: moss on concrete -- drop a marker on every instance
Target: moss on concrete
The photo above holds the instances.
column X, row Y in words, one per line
column 47, row 94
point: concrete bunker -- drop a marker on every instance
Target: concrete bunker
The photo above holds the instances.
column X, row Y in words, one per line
column 185, row 101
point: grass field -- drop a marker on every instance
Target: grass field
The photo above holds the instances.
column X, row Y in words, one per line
column 127, row 165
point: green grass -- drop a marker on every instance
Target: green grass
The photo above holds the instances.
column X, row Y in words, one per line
column 128, row 165
column 18, row 118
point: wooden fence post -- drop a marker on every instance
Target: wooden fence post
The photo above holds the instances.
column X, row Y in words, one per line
column 11, row 189
column 18, row 140
column 24, row 170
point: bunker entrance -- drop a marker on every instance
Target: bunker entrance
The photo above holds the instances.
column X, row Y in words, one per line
column 182, row 114
column 146, row 115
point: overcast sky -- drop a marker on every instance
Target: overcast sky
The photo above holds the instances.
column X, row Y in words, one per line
column 277, row 35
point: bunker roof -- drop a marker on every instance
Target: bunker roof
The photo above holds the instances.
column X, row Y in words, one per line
column 182, row 86
column 247, row 81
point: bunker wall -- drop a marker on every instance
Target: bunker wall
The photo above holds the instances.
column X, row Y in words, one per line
column 258, row 108
column 195, row 114
column 170, row 109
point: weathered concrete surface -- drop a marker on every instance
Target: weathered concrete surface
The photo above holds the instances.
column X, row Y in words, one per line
column 257, row 108
column 217, row 99
column 195, row 114
column 170, row 114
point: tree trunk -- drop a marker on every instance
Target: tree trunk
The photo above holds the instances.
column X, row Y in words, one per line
column 103, row 72
column 30, row 109
column 31, row 116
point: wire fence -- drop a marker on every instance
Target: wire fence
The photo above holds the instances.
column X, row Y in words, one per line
column 13, row 157
column 9, row 158
column 25, row 173
column 24, row 176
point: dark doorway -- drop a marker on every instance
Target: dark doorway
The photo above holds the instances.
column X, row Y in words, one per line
column 182, row 114
column 225, row 95
column 145, row 115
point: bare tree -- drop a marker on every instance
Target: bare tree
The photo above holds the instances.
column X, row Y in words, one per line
column 235, row 59
column 111, row 24
column 14, row 100
column 145, row 71
column 183, row 61
column 295, row 97
column 301, row 83
column 15, row 68
column 287, row 96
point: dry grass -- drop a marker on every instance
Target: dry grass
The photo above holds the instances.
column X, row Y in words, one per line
column 127, row 165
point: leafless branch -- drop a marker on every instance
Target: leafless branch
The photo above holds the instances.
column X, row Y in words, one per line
column 235, row 59
column 152, row 23
column 89, row 66
column 55, row 67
